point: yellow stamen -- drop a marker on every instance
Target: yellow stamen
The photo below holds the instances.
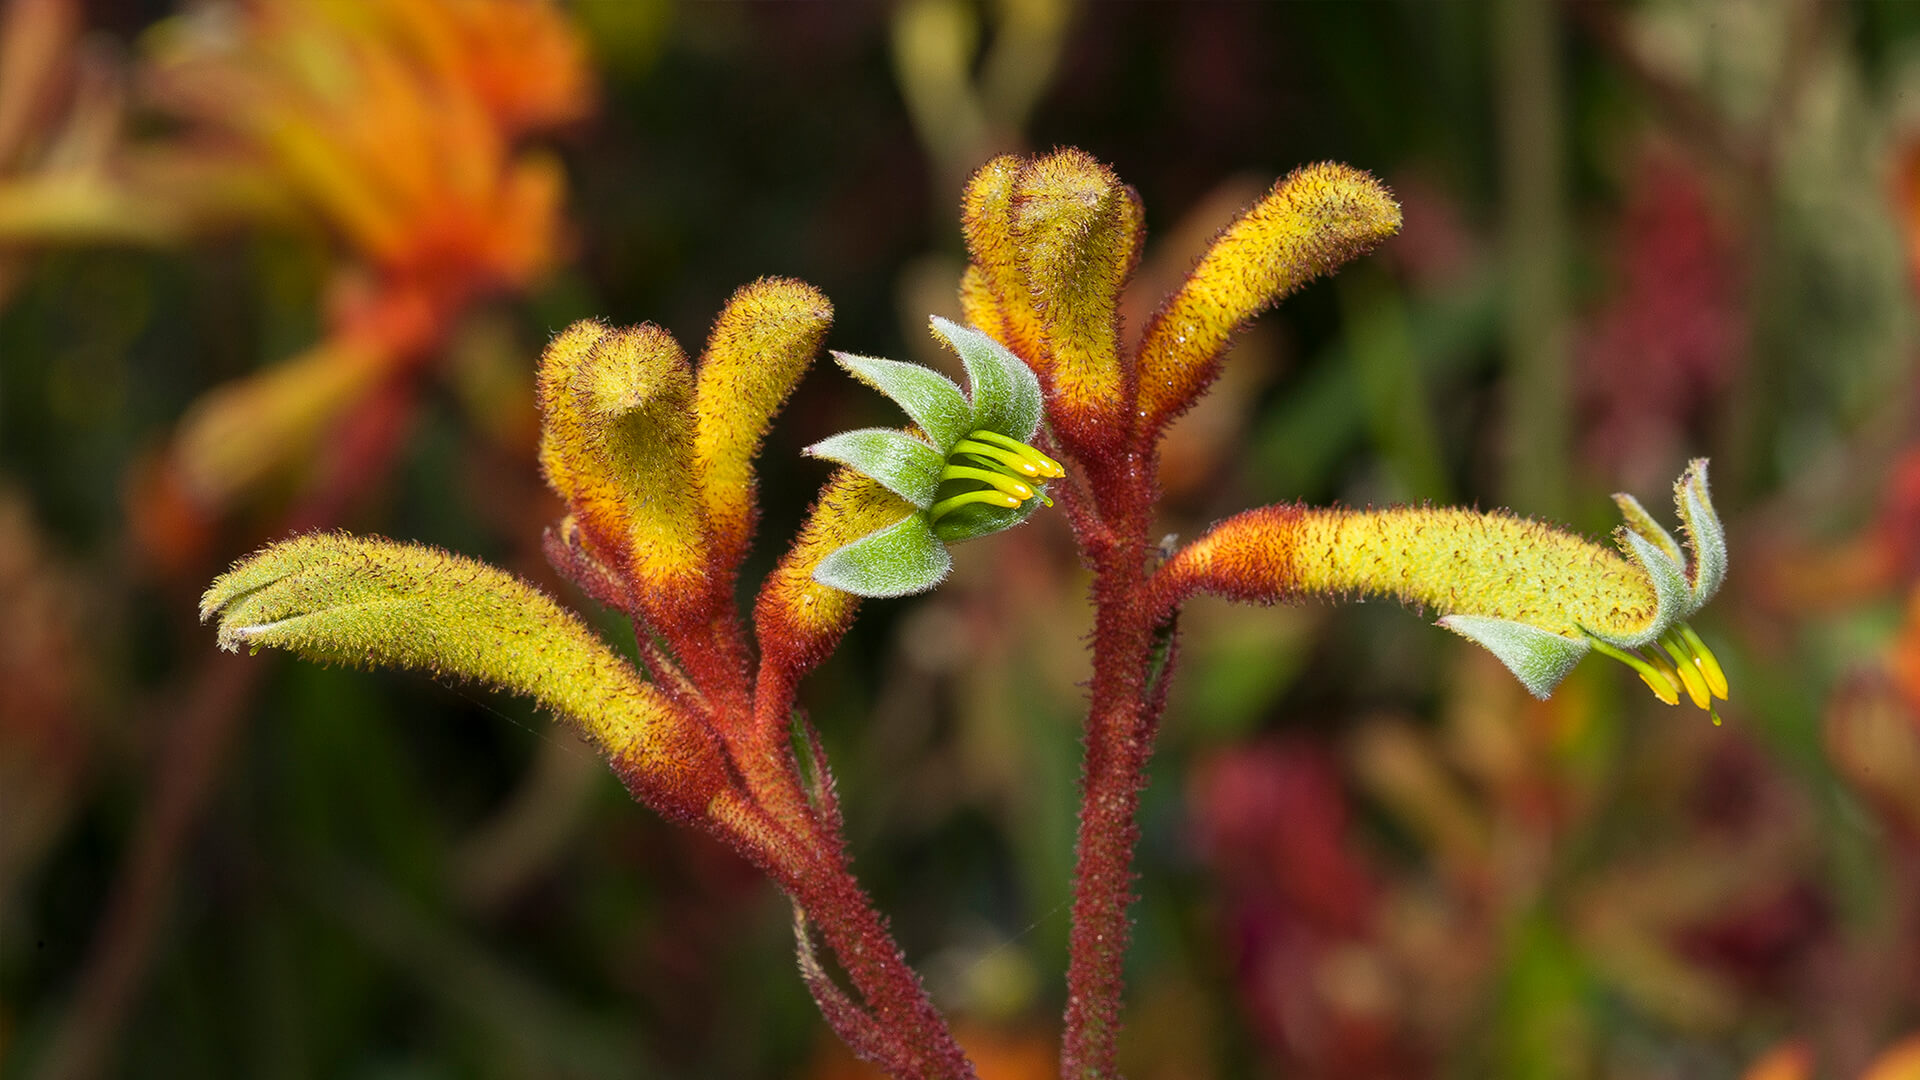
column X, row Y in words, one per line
column 1660, row 688
column 989, row 496
column 1011, row 460
column 1709, row 664
column 1665, row 686
column 999, row 480
column 1048, row 467
column 1689, row 673
column 1670, row 685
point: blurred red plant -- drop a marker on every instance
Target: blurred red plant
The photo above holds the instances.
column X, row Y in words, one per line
column 397, row 128
column 1670, row 337
column 1299, row 911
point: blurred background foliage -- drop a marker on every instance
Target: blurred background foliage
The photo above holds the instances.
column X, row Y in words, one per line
column 286, row 264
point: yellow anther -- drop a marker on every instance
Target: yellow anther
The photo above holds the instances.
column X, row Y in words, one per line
column 1689, row 673
column 1658, row 677
column 988, row 496
column 1011, row 460
column 1048, row 467
column 1709, row 664
column 1660, row 687
column 999, row 480
column 1669, row 675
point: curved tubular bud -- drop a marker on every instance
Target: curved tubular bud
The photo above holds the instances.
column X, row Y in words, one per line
column 1457, row 562
column 1315, row 219
column 1531, row 594
column 761, row 345
column 994, row 291
column 617, row 445
column 240, row 433
column 561, row 428
column 335, row 598
column 1080, row 230
column 1535, row 597
column 797, row 619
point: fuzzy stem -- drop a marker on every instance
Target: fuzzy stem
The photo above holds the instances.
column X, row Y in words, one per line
column 893, row 993
column 810, row 863
column 778, row 817
column 1120, row 724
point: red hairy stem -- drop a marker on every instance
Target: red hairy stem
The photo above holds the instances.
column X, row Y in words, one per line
column 664, row 673
column 811, row 865
column 893, row 993
column 1119, row 736
column 716, row 663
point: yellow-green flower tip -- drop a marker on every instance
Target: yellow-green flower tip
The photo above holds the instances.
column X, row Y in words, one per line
column 964, row 469
column 617, row 444
column 342, row 599
column 761, row 345
column 1314, row 219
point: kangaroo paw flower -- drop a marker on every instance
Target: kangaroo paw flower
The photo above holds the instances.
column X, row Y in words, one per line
column 1315, row 219
column 966, row 471
column 1053, row 241
column 375, row 603
column 1538, row 598
column 655, row 458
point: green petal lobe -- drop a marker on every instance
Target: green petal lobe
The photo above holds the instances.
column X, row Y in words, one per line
column 1673, row 599
column 930, row 398
column 1705, row 535
column 1640, row 521
column 899, row 560
column 1538, row 658
column 1006, row 392
column 908, row 467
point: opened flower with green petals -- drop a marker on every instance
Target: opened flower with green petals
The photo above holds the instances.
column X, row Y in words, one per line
column 1538, row 598
column 966, row 470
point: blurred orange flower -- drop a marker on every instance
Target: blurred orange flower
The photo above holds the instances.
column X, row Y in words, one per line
column 396, row 124
column 61, row 114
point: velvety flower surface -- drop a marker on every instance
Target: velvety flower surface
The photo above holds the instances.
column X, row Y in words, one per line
column 1536, row 597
